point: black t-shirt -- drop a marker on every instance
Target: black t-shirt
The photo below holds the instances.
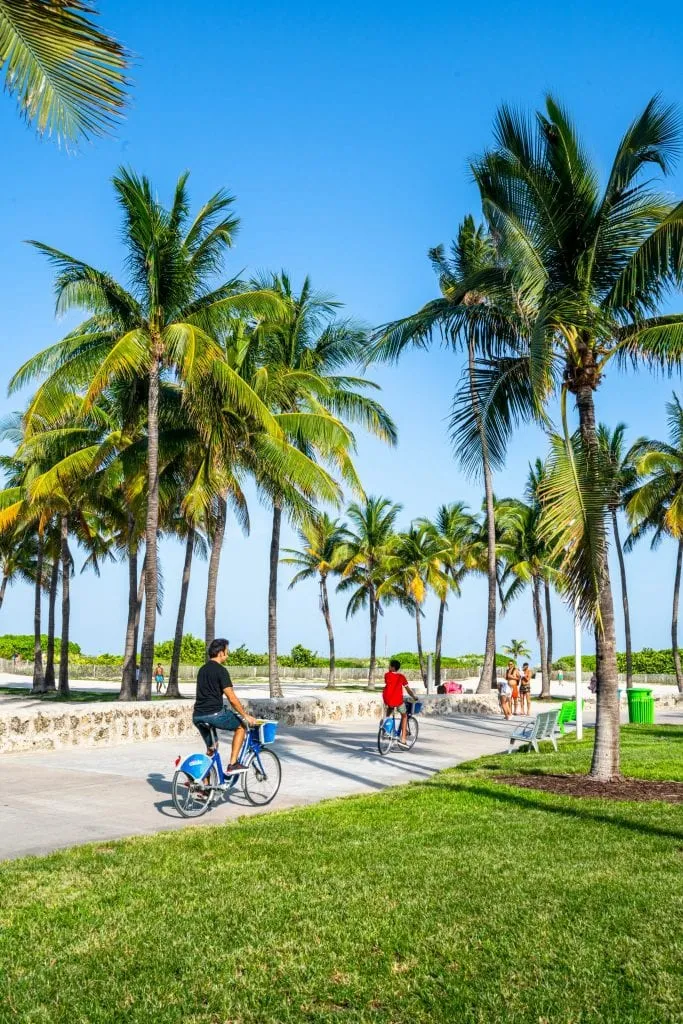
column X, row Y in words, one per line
column 212, row 679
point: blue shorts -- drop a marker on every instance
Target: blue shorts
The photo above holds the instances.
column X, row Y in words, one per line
column 226, row 719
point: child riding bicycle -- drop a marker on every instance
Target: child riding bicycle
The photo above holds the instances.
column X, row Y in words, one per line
column 392, row 695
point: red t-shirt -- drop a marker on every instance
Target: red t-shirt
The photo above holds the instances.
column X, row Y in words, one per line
column 392, row 694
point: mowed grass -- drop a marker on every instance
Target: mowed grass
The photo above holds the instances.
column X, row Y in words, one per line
column 459, row 899
column 74, row 697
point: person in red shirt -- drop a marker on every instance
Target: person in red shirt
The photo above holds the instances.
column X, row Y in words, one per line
column 392, row 694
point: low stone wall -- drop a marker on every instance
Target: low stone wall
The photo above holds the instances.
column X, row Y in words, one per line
column 112, row 723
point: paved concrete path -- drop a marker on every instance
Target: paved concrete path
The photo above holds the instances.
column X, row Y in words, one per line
column 62, row 798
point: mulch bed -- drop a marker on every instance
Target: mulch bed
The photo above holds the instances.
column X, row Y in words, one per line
column 582, row 786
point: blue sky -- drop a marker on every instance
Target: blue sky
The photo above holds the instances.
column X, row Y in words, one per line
column 345, row 133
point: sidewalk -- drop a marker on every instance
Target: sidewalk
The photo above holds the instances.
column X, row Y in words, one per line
column 66, row 797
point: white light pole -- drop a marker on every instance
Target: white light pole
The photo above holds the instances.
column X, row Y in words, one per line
column 578, row 673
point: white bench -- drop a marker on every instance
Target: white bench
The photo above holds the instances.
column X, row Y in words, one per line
column 544, row 727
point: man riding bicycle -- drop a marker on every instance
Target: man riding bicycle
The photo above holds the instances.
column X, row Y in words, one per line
column 214, row 683
column 392, row 695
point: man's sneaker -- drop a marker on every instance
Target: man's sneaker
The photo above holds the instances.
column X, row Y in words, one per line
column 236, row 769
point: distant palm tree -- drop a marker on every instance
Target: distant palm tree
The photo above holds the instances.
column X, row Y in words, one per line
column 68, row 77
column 655, row 504
column 517, row 649
column 454, row 530
column 366, row 562
column 622, row 476
column 322, row 540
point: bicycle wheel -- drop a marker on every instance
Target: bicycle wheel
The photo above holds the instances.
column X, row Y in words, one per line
column 412, row 731
column 262, row 778
column 191, row 799
column 385, row 740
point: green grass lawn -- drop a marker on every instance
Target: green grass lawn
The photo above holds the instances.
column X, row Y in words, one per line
column 75, row 696
column 459, row 899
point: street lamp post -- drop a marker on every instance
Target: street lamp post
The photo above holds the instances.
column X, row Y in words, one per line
column 578, row 673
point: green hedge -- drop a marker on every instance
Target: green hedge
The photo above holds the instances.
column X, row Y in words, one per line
column 647, row 662
column 409, row 659
column 22, row 644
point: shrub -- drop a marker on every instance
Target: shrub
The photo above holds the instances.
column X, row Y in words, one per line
column 22, row 644
column 192, row 650
column 646, row 662
column 302, row 657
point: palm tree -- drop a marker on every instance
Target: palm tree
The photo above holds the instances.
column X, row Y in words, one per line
column 517, row 649
column 69, row 78
column 593, row 263
column 165, row 325
column 303, row 355
column 490, row 325
column 18, row 550
column 655, row 504
column 366, row 562
column 321, row 539
column 453, row 530
column 622, row 474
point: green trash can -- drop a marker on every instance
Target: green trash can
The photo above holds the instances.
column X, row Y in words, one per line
column 641, row 705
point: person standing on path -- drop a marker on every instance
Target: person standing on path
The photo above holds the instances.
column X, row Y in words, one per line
column 525, row 689
column 213, row 684
column 159, row 677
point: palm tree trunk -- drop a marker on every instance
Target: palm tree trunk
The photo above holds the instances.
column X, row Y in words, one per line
column 273, row 673
column 540, row 636
column 38, row 677
column 50, row 660
column 549, row 627
column 128, row 689
column 3, row 588
column 325, row 606
column 139, row 598
column 66, row 609
column 214, row 563
column 489, row 667
column 151, row 529
column 173, row 690
column 605, row 762
column 624, row 599
column 674, row 618
column 420, row 655
column 438, row 643
column 373, row 640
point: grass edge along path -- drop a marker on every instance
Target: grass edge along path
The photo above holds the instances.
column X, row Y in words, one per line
column 457, row 899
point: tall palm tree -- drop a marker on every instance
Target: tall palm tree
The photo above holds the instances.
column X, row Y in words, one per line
column 321, row 539
column 655, row 504
column 366, row 562
column 622, row 475
column 594, row 263
column 489, row 324
column 68, row 76
column 165, row 325
column 453, row 530
column 304, row 353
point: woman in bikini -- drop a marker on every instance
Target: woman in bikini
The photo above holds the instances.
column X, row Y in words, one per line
column 512, row 676
column 525, row 689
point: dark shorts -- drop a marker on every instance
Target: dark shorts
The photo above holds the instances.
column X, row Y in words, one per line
column 225, row 719
column 525, row 689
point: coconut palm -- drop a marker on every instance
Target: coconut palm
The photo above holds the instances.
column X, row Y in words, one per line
column 516, row 649
column 68, row 76
column 366, row 562
column 164, row 326
column 453, row 530
column 594, row 263
column 18, row 549
column 304, row 353
column 619, row 462
column 489, row 324
column 321, row 545
column 655, row 504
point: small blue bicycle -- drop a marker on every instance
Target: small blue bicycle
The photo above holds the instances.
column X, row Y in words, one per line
column 389, row 733
column 200, row 779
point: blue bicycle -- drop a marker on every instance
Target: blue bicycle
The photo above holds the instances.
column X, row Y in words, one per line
column 200, row 779
column 390, row 728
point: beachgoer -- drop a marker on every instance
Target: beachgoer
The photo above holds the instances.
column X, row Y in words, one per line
column 159, row 677
column 213, row 684
column 504, row 694
column 593, row 685
column 512, row 676
column 525, row 689
column 392, row 695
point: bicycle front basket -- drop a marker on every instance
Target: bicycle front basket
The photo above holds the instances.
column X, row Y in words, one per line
column 267, row 731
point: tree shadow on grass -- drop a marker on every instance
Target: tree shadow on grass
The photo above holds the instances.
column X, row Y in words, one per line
column 528, row 802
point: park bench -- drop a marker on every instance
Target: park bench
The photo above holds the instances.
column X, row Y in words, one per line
column 544, row 727
column 568, row 713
